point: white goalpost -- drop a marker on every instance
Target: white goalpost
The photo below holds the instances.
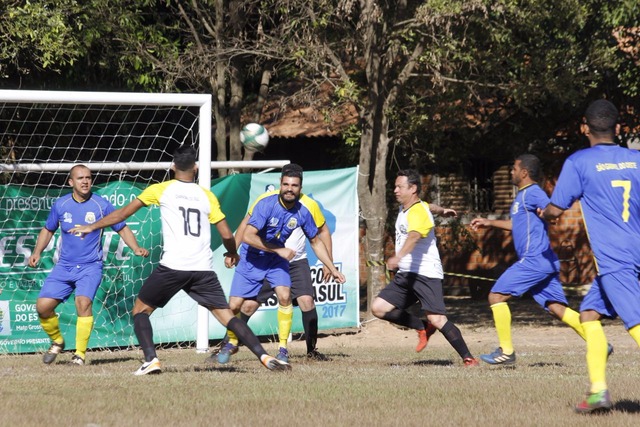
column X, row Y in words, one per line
column 121, row 137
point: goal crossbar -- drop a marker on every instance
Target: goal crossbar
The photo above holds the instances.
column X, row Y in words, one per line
column 137, row 166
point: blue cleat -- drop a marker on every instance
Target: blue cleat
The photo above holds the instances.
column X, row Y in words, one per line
column 224, row 355
column 283, row 355
column 499, row 358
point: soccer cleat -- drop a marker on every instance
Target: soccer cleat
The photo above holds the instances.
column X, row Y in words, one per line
column 600, row 401
column 53, row 352
column 283, row 355
column 316, row 355
column 77, row 360
column 152, row 367
column 470, row 362
column 499, row 358
column 423, row 336
column 225, row 353
column 273, row 364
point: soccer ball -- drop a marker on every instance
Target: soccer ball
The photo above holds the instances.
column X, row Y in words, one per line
column 254, row 137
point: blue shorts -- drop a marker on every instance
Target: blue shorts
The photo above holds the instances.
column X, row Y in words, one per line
column 252, row 271
column 64, row 279
column 615, row 294
column 537, row 275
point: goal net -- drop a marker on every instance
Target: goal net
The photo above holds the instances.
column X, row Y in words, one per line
column 127, row 141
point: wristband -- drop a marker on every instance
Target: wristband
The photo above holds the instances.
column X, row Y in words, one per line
column 229, row 254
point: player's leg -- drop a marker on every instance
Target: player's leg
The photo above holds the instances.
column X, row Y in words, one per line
column 277, row 274
column 87, row 284
column 161, row 285
column 302, row 291
column 431, row 297
column 392, row 301
column 595, row 305
column 207, row 291
column 56, row 289
column 285, row 320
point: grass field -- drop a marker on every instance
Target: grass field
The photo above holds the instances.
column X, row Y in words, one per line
column 374, row 379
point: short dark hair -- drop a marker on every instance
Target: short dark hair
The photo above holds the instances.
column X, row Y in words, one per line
column 413, row 178
column 601, row 116
column 292, row 170
column 532, row 164
column 184, row 158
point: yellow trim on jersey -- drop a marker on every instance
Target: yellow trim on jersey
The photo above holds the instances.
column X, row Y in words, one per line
column 308, row 202
column 152, row 195
column 418, row 219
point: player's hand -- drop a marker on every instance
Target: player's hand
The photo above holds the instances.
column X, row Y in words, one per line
column 34, row 260
column 231, row 260
column 478, row 223
column 326, row 273
column 449, row 213
column 337, row 276
column 285, row 253
column 392, row 263
column 141, row 252
column 80, row 230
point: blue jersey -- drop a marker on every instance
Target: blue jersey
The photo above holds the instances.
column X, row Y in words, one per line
column 67, row 213
column 529, row 231
column 606, row 179
column 275, row 222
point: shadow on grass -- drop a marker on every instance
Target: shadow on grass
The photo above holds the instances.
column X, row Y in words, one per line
column 440, row 362
column 203, row 368
column 110, row 361
column 629, row 406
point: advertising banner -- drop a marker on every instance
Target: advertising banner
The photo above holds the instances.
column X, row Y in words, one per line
column 24, row 211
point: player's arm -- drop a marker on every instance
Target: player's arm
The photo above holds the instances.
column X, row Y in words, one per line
column 114, row 217
column 412, row 239
column 128, row 237
column 240, row 230
column 251, row 237
column 231, row 257
column 323, row 255
column 551, row 212
column 324, row 234
column 439, row 210
column 44, row 237
column 478, row 223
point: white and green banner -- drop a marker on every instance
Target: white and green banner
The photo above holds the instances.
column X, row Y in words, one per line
column 23, row 211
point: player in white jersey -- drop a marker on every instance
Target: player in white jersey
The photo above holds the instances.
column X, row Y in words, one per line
column 186, row 210
column 419, row 276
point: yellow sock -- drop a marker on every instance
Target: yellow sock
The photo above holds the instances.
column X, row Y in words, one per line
column 233, row 339
column 572, row 318
column 596, row 355
column 52, row 327
column 84, row 325
column 635, row 334
column 502, row 319
column 285, row 319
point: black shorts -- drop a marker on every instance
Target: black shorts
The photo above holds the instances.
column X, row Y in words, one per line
column 301, row 285
column 164, row 283
column 407, row 288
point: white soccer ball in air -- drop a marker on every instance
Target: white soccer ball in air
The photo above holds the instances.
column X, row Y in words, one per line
column 254, row 137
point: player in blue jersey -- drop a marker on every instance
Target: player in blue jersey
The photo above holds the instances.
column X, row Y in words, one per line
column 79, row 266
column 537, row 268
column 419, row 276
column 186, row 210
column 605, row 178
column 302, row 290
column 264, row 256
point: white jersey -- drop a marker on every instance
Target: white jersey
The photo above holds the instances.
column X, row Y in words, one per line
column 424, row 259
column 186, row 210
column 297, row 240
